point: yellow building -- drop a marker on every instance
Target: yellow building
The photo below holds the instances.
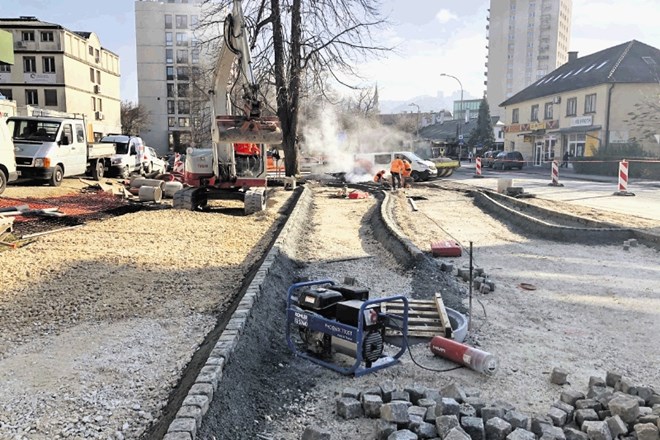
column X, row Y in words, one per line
column 587, row 104
column 59, row 70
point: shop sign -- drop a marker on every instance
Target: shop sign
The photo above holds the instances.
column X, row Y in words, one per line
column 582, row 121
column 537, row 126
column 552, row 124
column 39, row 78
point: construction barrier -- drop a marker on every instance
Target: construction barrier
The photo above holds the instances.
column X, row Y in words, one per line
column 623, row 180
column 477, row 168
column 554, row 174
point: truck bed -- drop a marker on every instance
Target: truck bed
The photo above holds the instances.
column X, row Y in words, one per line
column 95, row 151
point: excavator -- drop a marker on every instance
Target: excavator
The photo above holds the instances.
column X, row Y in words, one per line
column 235, row 124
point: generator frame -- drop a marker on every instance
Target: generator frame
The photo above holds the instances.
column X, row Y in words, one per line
column 298, row 317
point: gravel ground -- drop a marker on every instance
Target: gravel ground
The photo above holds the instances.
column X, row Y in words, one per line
column 595, row 308
column 96, row 331
column 97, row 323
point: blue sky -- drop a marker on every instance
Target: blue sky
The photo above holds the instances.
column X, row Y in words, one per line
column 431, row 37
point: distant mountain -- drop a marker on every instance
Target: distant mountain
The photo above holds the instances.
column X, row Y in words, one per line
column 426, row 104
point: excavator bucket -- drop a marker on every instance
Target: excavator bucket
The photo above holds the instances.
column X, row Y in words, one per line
column 264, row 130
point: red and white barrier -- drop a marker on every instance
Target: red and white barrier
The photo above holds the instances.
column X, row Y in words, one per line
column 477, row 168
column 623, row 179
column 554, row 174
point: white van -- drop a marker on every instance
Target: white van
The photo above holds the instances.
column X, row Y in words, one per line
column 371, row 163
column 7, row 157
column 129, row 157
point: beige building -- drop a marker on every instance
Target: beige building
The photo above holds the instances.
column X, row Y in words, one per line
column 587, row 104
column 59, row 70
column 168, row 63
column 526, row 40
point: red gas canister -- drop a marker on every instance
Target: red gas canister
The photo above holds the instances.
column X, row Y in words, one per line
column 473, row 358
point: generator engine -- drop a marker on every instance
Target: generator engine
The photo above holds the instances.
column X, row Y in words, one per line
column 335, row 319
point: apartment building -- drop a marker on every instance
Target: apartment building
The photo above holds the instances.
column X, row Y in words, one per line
column 588, row 104
column 526, row 40
column 168, row 69
column 59, row 70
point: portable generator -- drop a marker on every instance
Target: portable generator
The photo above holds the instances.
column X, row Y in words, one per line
column 326, row 320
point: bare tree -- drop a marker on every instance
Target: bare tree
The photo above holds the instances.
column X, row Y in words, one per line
column 646, row 117
column 134, row 118
column 297, row 42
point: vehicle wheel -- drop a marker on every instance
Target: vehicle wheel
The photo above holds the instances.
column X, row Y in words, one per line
column 99, row 170
column 3, row 181
column 148, row 169
column 126, row 172
column 255, row 201
column 415, row 176
column 58, row 175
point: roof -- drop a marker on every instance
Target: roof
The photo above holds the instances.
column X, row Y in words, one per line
column 448, row 130
column 26, row 22
column 631, row 62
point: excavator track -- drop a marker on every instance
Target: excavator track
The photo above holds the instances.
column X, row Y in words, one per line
column 188, row 199
column 255, row 200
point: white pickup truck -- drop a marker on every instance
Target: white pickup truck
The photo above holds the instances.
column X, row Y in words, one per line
column 51, row 148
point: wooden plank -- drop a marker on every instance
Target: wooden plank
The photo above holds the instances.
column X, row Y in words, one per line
column 444, row 318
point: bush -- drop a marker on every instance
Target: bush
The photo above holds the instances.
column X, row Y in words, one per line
column 606, row 162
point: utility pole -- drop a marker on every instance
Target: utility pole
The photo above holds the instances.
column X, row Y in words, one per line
column 417, row 126
column 460, row 106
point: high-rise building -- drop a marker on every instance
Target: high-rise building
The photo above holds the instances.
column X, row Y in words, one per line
column 168, row 65
column 59, row 70
column 526, row 40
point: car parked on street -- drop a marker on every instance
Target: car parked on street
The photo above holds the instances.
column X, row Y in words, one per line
column 153, row 163
column 488, row 159
column 507, row 160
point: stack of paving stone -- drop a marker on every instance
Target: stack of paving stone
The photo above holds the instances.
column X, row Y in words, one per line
column 612, row 408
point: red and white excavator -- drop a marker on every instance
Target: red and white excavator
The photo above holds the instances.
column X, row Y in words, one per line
column 228, row 178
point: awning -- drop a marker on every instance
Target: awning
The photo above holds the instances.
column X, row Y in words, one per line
column 577, row 129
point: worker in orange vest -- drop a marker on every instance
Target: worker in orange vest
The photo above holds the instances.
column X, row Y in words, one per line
column 396, row 168
column 405, row 174
column 380, row 176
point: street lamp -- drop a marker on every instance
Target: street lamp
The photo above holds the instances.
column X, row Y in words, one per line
column 460, row 129
column 417, row 126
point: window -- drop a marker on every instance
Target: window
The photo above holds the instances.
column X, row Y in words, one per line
column 27, row 36
column 100, row 101
column 29, row 65
column 194, row 54
column 169, row 73
column 184, row 107
column 91, row 75
column 182, row 56
column 67, row 132
column 590, row 103
column 91, row 50
column 31, row 97
column 170, row 107
column 49, row 65
column 515, row 116
column 548, row 110
column 171, row 122
column 168, row 38
column 184, row 122
column 98, row 77
column 50, row 97
column 93, row 104
column 169, row 56
column 182, row 90
column 168, row 21
column 571, row 107
column 80, row 133
column 183, row 73
column 194, row 21
column 5, row 67
column 97, row 55
column 47, row 36
column 182, row 22
column 7, row 93
column 170, row 90
column 535, row 113
column 181, row 39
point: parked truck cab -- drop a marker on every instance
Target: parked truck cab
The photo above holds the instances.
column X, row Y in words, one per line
column 129, row 156
column 8, row 171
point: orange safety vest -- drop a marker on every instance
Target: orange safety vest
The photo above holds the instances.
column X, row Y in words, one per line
column 407, row 169
column 397, row 166
column 245, row 149
column 378, row 177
